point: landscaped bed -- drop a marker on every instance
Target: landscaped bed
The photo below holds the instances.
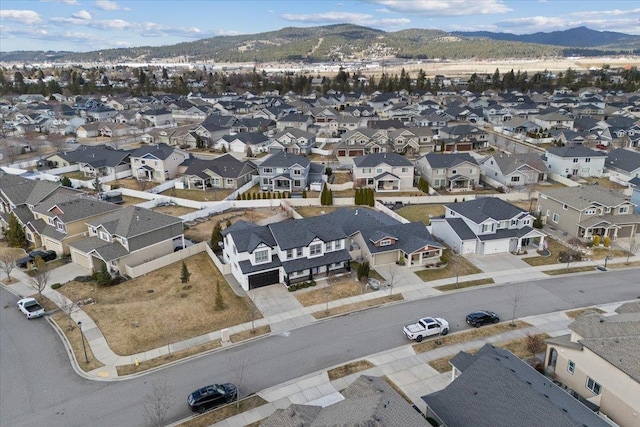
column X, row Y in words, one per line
column 157, row 309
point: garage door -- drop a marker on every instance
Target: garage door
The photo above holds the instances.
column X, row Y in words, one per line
column 80, row 259
column 264, row 279
column 386, row 258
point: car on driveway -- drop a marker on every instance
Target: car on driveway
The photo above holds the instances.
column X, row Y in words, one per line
column 212, row 396
column 482, row 317
column 45, row 255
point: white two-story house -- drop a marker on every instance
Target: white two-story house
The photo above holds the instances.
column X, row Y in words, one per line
column 575, row 161
column 487, row 226
column 284, row 171
column 157, row 162
column 383, row 172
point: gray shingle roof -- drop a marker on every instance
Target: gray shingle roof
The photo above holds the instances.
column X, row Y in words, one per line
column 410, row 237
column 615, row 338
column 253, row 138
column 479, row 210
column 583, row 196
column 132, row 221
column 73, row 208
column 19, row 190
column 461, row 228
column 96, row 156
column 510, row 163
column 575, row 151
column 626, row 160
column 306, row 230
column 285, row 160
column 496, row 389
column 225, row 166
column 300, row 264
column 161, row 151
column 372, row 160
column 247, row 236
column 438, row 160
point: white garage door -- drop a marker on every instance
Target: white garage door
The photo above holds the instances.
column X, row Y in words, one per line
column 81, row 259
column 386, row 258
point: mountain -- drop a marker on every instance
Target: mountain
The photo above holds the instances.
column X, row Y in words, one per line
column 579, row 37
column 346, row 42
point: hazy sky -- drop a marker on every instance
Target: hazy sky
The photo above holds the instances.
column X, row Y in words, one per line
column 78, row 25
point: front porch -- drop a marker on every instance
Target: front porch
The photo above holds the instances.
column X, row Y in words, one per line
column 460, row 183
column 316, row 273
column 386, row 182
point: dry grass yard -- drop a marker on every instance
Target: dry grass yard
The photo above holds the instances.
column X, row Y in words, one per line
column 342, row 288
column 348, row 308
column 349, row 368
column 210, row 195
column 422, row 213
column 457, row 265
column 201, row 232
column 573, row 314
column 156, row 309
column 173, row 210
column 72, row 333
column 307, row 211
column 555, row 247
column 129, row 201
column 341, row 177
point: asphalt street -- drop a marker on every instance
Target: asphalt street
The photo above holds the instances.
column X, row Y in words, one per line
column 38, row 387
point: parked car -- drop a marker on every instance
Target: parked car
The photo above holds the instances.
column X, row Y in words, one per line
column 212, row 396
column 482, row 317
column 45, row 255
column 426, row 327
column 30, row 308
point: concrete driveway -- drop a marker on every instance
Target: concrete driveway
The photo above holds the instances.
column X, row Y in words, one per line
column 273, row 299
column 497, row 262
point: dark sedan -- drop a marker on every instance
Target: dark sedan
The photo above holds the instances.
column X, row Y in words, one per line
column 482, row 317
column 45, row 255
column 211, row 396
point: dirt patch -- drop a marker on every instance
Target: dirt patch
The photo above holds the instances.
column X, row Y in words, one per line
column 342, row 288
column 341, row 177
column 155, row 310
column 201, row 231
column 569, row 270
column 174, row 210
column 245, row 335
column 422, row 213
column 349, row 368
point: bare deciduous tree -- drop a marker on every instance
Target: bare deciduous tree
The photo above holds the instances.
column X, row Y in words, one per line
column 8, row 258
column 68, row 307
column 634, row 247
column 239, row 372
column 535, row 344
column 517, row 293
column 40, row 275
column 157, row 403
column 57, row 142
column 392, row 278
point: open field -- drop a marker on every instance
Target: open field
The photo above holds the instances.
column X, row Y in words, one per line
column 156, row 310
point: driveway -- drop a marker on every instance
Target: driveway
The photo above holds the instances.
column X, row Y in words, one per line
column 273, row 299
column 497, row 262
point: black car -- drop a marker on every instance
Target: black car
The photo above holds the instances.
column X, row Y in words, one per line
column 211, row 396
column 482, row 317
column 45, row 255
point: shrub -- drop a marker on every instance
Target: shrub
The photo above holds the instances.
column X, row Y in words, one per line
column 56, row 286
column 84, row 279
column 607, row 241
column 596, row 241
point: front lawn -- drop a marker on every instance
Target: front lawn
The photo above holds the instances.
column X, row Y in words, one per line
column 157, row 309
column 554, row 247
column 422, row 213
column 457, row 265
column 342, row 288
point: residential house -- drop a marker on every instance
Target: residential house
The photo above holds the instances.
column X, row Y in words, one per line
column 241, row 142
column 112, row 130
column 493, row 387
column 126, row 238
column 284, row 171
column 95, row 160
column 453, row 172
column 362, row 141
column 253, row 124
column 157, row 162
column 598, row 362
column 411, row 140
column 297, row 121
column 181, row 136
column 306, row 249
column 462, row 138
column 486, row 226
column 634, row 183
column 553, row 121
column 587, row 211
column 515, row 170
column 156, row 117
column 66, row 216
column 623, row 164
column 383, row 172
column 575, row 161
column 293, row 140
column 222, row 172
column 89, row 130
column 367, row 401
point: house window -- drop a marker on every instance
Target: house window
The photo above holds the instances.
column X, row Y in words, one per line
column 267, row 170
column 486, row 227
column 385, row 242
column 587, row 160
column 515, row 179
column 575, row 160
column 327, row 246
column 379, row 170
column 405, row 170
column 290, row 254
column 571, row 366
column 366, row 170
column 315, row 250
column 590, row 212
column 555, row 218
column 297, row 172
column 104, row 236
column 298, row 252
column 593, row 386
column 623, row 209
column 262, row 256
column 454, row 171
column 607, row 209
column 337, row 244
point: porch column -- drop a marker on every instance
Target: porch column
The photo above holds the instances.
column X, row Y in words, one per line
column 541, row 245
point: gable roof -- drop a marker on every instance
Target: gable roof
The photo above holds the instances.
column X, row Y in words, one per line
column 248, row 236
column 161, row 151
column 371, row 160
column 284, row 159
column 440, row 160
column 71, row 208
column 225, row 166
column 623, row 159
column 584, row 196
column 511, row 163
column 132, row 221
column 575, row 151
column 96, row 156
column 18, row 190
column 497, row 389
column 479, row 210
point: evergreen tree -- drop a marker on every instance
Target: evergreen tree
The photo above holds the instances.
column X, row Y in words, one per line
column 15, row 233
column 330, row 197
column 219, row 301
column 184, row 274
column 103, row 277
column 97, row 185
column 65, row 181
column 216, row 237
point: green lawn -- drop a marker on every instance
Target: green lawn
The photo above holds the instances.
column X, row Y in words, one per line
column 421, row 212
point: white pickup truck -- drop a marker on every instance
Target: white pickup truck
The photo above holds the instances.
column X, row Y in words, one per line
column 426, row 327
column 30, row 308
